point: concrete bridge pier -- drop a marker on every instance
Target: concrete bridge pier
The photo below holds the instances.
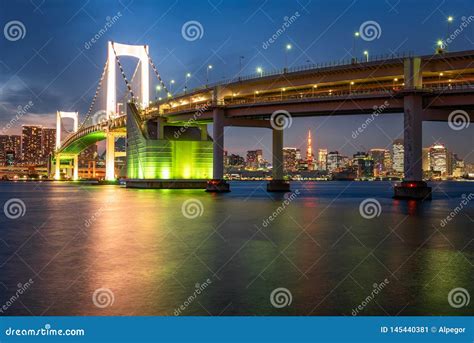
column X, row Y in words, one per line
column 277, row 184
column 218, row 184
column 110, row 157
column 75, row 175
column 57, row 168
column 413, row 186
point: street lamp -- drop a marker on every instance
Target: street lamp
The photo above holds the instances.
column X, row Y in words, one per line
column 314, row 87
column 356, row 35
column 366, row 53
column 450, row 20
column 188, row 75
column 171, row 84
column 158, row 90
column 260, row 71
column 282, row 90
column 209, row 67
column 287, row 50
column 350, row 86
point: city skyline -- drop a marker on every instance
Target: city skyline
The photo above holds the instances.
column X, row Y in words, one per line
column 193, row 59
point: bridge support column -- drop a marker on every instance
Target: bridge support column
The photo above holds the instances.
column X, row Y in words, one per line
column 218, row 184
column 110, row 157
column 57, row 168
column 277, row 184
column 75, row 176
column 413, row 186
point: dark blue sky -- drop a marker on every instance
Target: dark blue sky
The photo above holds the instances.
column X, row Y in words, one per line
column 51, row 67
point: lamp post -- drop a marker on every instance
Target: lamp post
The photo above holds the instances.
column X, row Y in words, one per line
column 158, row 90
column 260, row 71
column 450, row 20
column 356, row 35
column 366, row 53
column 188, row 75
column 209, row 67
column 350, row 86
column 287, row 50
column 171, row 85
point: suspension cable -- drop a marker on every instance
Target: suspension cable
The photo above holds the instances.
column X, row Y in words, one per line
column 156, row 72
column 99, row 86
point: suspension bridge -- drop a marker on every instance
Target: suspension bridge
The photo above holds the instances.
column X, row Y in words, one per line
column 168, row 144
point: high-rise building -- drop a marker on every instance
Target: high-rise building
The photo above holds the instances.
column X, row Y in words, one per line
column 426, row 165
column 290, row 159
column 322, row 159
column 398, row 155
column 380, row 159
column 32, row 144
column 88, row 155
column 309, row 152
column 439, row 159
column 49, row 142
column 254, row 159
column 10, row 149
column 458, row 166
column 236, row 161
column 334, row 161
column 363, row 164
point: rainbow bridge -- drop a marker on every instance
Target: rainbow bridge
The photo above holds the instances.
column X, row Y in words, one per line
column 168, row 139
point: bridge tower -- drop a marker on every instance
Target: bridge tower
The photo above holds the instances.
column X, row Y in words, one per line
column 59, row 117
column 115, row 50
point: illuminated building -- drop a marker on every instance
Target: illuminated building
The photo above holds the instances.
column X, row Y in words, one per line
column 254, row 159
column 380, row 159
column 438, row 159
column 426, row 163
column 10, row 149
column 398, row 155
column 309, row 152
column 335, row 161
column 322, row 159
column 363, row 164
column 290, row 159
column 31, row 144
column 48, row 142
